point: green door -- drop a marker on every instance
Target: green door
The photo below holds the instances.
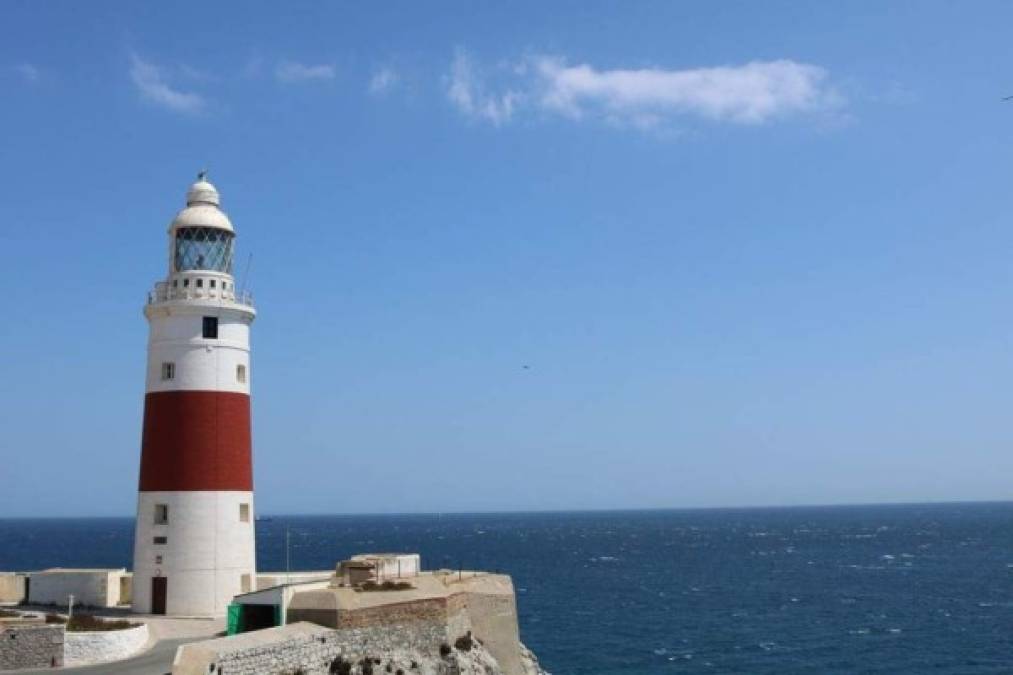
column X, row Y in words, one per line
column 234, row 619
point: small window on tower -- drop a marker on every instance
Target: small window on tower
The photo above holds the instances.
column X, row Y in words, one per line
column 200, row 283
column 168, row 370
column 211, row 283
column 186, row 282
column 211, row 327
column 244, row 513
column 161, row 540
column 161, row 514
column 175, row 283
column 241, row 373
column 158, row 560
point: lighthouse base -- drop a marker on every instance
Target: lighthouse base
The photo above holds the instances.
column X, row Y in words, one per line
column 193, row 552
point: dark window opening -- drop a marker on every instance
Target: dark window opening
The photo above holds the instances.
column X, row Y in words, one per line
column 161, row 540
column 200, row 283
column 186, row 282
column 211, row 327
column 211, row 283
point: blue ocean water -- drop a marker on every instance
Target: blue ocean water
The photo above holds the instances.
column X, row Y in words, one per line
column 889, row 589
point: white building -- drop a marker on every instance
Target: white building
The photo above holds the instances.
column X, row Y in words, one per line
column 90, row 587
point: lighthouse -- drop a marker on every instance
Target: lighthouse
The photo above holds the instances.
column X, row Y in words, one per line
column 194, row 537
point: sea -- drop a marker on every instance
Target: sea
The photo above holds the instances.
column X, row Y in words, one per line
column 843, row 589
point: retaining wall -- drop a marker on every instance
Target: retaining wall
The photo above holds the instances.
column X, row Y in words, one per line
column 309, row 648
column 27, row 645
column 89, row 647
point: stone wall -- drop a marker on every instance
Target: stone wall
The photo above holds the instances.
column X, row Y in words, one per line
column 312, row 649
column 28, row 645
column 432, row 610
column 89, row 647
column 352, row 644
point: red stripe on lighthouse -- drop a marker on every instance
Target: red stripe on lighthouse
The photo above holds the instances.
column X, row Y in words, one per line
column 196, row 440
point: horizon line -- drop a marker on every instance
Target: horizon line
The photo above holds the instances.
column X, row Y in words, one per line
column 561, row 511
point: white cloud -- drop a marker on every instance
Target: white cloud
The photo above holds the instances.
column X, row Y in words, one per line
column 151, row 82
column 383, row 80
column 749, row 94
column 466, row 90
column 27, row 71
column 290, row 72
column 753, row 93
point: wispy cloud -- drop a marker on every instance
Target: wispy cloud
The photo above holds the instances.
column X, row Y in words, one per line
column 753, row 93
column 466, row 89
column 151, row 82
column 291, row 72
column 749, row 94
column 28, row 72
column 383, row 80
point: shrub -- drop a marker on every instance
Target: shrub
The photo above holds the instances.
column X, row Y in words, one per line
column 385, row 586
column 55, row 618
column 83, row 623
column 445, row 650
column 464, row 643
column 339, row 666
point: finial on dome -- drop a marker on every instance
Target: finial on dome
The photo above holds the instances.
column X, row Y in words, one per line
column 202, row 192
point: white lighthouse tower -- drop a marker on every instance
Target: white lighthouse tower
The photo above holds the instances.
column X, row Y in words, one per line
column 194, row 538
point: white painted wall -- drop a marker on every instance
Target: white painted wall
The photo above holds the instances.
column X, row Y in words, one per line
column 200, row 365
column 269, row 579
column 85, row 648
column 12, row 587
column 393, row 565
column 208, row 550
column 97, row 588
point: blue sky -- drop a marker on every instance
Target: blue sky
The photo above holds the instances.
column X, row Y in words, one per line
column 749, row 253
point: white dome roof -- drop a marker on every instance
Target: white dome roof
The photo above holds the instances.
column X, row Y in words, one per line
column 202, row 192
column 202, row 208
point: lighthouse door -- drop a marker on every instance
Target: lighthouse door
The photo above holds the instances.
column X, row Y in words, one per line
column 158, row 588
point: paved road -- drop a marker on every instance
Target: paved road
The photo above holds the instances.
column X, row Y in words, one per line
column 155, row 661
